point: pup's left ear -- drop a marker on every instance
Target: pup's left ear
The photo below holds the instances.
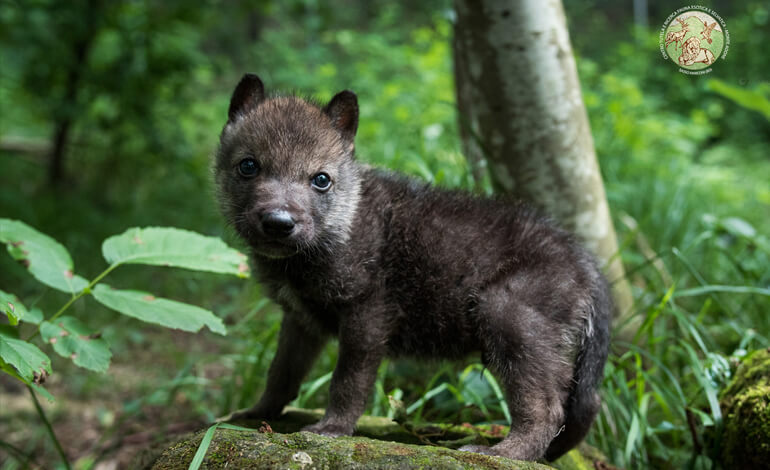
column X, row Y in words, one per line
column 343, row 111
column 247, row 95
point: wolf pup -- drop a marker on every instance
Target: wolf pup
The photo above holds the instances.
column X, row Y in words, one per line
column 393, row 267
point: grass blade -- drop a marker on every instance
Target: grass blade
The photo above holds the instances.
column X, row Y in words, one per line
column 203, row 447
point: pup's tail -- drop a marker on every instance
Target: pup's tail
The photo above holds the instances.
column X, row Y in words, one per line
column 583, row 402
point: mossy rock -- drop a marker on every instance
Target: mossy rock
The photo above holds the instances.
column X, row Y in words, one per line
column 745, row 403
column 378, row 443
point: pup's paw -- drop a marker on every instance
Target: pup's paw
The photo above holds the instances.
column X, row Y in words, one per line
column 328, row 429
column 486, row 450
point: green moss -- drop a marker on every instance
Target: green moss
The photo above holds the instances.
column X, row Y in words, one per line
column 584, row 457
column 287, row 448
column 244, row 450
column 221, row 453
column 745, row 403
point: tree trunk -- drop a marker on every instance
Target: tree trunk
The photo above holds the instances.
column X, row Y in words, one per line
column 521, row 111
column 64, row 116
column 641, row 17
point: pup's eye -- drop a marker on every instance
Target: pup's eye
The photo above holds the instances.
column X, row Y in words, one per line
column 248, row 167
column 321, row 182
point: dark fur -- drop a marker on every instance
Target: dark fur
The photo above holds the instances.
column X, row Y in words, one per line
column 394, row 267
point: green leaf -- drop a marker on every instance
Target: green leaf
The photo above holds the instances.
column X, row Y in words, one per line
column 708, row 289
column 200, row 454
column 164, row 312
column 203, row 447
column 45, row 393
column 46, row 259
column 34, row 316
column 5, row 367
column 30, row 362
column 16, row 311
column 13, row 308
column 236, row 428
column 174, row 247
column 757, row 99
column 72, row 339
column 738, row 226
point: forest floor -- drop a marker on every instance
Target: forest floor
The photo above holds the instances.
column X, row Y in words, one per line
column 106, row 425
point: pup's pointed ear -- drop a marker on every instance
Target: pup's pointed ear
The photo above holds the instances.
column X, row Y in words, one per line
column 343, row 111
column 247, row 95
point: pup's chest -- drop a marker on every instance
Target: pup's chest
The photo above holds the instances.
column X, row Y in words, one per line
column 319, row 300
column 304, row 307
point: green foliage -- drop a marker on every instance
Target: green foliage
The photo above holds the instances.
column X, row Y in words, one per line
column 164, row 312
column 175, row 248
column 107, row 69
column 15, row 310
column 660, row 392
column 30, row 363
column 44, row 257
column 73, row 339
column 757, row 99
column 51, row 264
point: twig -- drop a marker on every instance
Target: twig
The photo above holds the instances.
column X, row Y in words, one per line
column 693, row 430
column 49, row 428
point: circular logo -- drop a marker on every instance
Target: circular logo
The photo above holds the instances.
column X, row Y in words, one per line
column 694, row 38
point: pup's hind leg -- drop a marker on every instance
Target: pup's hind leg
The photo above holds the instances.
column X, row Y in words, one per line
column 527, row 352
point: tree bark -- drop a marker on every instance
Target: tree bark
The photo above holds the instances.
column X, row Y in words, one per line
column 521, row 111
column 65, row 115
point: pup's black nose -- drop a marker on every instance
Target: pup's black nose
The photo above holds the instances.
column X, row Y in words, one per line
column 277, row 224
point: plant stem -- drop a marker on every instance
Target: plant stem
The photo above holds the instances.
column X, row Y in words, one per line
column 21, row 457
column 101, row 276
column 49, row 428
column 86, row 290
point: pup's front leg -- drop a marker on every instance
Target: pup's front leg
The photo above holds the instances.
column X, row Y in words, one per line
column 297, row 349
column 361, row 349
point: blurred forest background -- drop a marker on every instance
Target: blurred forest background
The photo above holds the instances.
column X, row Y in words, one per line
column 110, row 112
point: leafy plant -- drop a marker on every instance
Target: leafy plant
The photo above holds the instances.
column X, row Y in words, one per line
column 757, row 99
column 51, row 264
column 660, row 391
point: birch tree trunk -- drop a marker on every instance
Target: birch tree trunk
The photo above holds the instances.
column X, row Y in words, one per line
column 522, row 115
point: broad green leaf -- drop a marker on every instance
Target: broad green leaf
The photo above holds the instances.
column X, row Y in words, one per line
column 8, row 369
column 13, row 308
column 16, row 311
column 72, row 339
column 174, row 247
column 44, row 257
column 151, row 309
column 30, row 362
column 5, row 367
column 34, row 316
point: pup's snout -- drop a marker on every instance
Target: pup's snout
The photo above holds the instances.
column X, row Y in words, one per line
column 277, row 224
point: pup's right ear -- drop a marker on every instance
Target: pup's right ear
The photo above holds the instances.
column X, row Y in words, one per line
column 343, row 111
column 247, row 95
